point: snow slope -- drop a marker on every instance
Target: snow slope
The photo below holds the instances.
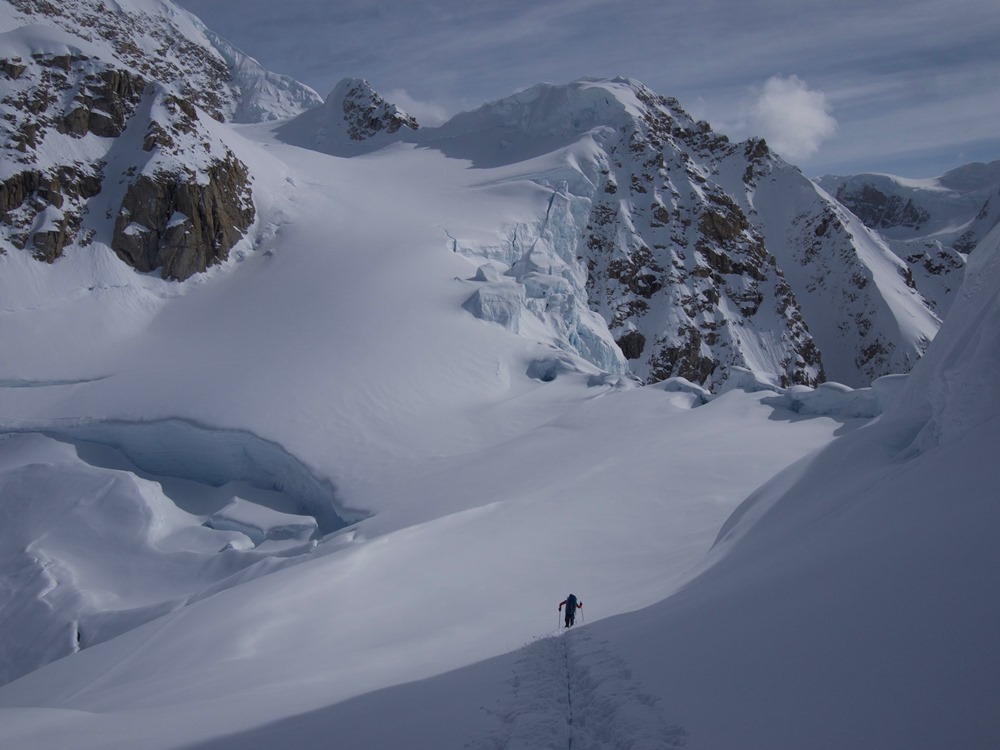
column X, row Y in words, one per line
column 347, row 474
column 491, row 470
column 849, row 602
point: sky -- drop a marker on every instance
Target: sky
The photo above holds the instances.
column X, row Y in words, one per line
column 910, row 87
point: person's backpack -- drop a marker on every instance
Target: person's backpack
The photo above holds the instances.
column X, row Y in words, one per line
column 571, row 603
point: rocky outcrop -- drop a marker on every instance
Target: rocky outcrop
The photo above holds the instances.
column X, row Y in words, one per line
column 44, row 210
column 880, row 211
column 181, row 225
column 103, row 104
column 175, row 49
column 187, row 199
column 353, row 119
column 366, row 113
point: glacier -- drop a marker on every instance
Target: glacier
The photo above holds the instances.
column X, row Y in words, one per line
column 349, row 471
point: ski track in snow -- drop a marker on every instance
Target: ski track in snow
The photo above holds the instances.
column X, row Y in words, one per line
column 572, row 692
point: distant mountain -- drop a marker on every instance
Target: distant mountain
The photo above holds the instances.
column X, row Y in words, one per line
column 353, row 119
column 698, row 254
column 930, row 223
column 941, row 208
column 665, row 250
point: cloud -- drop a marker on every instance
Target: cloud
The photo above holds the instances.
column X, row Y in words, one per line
column 427, row 113
column 792, row 118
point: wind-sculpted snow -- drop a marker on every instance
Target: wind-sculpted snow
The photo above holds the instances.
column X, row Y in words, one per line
column 839, row 401
column 107, row 525
column 956, row 387
column 184, row 450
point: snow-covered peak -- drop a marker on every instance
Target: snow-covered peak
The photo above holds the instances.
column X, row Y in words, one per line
column 547, row 109
column 546, row 117
column 158, row 40
column 353, row 119
column 974, row 176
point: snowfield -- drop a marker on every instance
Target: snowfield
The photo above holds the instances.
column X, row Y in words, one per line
column 317, row 497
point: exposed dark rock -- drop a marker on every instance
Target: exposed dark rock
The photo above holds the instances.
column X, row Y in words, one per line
column 27, row 194
column 367, row 113
column 686, row 359
column 181, row 226
column 12, row 68
column 632, row 344
column 880, row 211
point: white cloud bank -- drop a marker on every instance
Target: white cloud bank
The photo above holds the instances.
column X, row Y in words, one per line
column 427, row 113
column 792, row 118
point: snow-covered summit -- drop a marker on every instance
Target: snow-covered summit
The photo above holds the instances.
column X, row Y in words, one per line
column 353, row 119
column 159, row 40
column 539, row 120
column 699, row 254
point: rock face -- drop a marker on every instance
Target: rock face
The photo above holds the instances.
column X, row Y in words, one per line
column 366, row 113
column 880, row 211
column 74, row 107
column 183, row 226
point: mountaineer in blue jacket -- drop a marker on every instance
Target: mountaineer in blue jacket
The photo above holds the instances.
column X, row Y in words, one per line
column 571, row 606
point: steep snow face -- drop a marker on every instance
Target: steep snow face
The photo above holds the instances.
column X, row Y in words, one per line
column 957, row 383
column 260, row 95
column 697, row 254
column 354, row 119
column 867, row 314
